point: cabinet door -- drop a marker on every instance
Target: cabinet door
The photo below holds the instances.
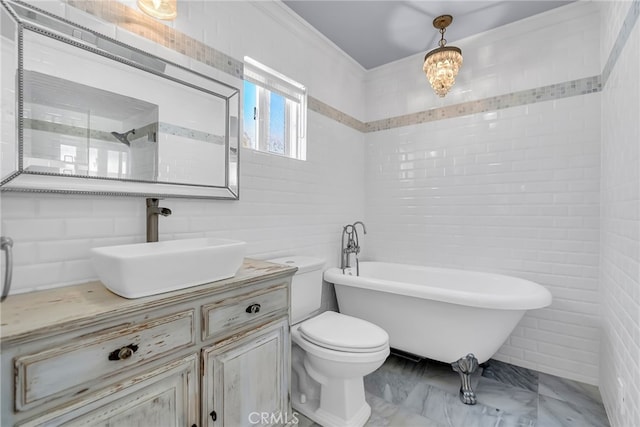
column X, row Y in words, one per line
column 246, row 378
column 165, row 396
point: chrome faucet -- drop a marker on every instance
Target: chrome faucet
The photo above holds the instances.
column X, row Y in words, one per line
column 153, row 210
column 351, row 246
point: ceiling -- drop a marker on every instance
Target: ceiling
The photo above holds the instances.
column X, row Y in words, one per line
column 376, row 32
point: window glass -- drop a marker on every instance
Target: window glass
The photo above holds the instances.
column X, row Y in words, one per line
column 249, row 116
column 276, row 123
column 274, row 112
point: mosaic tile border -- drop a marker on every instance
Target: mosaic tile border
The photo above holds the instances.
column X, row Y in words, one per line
column 67, row 130
column 168, row 128
column 140, row 24
column 621, row 40
column 326, row 110
column 494, row 103
column 150, row 129
column 144, row 26
column 83, row 132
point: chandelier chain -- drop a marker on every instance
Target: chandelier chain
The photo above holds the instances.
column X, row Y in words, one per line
column 442, row 41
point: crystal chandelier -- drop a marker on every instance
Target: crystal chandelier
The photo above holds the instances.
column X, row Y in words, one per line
column 442, row 63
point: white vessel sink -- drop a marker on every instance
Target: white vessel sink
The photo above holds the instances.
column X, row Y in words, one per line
column 144, row 269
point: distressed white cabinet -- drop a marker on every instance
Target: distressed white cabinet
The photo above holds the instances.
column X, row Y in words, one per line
column 163, row 396
column 245, row 378
column 81, row 355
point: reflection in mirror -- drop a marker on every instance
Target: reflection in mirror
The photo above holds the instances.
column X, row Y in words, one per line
column 97, row 116
column 75, row 129
column 8, row 100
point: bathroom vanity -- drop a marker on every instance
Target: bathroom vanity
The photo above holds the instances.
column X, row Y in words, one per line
column 211, row 355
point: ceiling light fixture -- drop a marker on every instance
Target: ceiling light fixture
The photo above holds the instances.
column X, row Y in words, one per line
column 160, row 9
column 442, row 64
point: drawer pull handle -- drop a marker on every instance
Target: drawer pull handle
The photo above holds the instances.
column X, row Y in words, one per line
column 214, row 416
column 123, row 353
column 253, row 308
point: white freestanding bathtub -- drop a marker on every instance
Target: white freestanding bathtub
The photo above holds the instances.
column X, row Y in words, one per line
column 438, row 313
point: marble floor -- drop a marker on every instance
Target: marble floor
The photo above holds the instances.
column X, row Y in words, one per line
column 405, row 393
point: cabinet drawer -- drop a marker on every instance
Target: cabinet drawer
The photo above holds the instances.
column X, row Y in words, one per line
column 88, row 361
column 222, row 316
column 166, row 395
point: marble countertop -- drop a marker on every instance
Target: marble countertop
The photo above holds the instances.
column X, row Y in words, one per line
column 43, row 312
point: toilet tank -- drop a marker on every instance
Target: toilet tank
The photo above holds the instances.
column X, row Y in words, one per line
column 306, row 286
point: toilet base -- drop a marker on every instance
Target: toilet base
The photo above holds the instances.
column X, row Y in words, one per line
column 306, row 394
column 311, row 409
column 328, row 420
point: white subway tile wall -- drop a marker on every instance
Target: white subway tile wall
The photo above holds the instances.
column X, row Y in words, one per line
column 513, row 191
column 620, row 246
column 287, row 207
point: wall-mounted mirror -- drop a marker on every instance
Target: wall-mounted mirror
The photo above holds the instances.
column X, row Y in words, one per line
column 84, row 113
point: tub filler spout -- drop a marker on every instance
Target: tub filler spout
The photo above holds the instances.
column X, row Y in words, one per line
column 351, row 246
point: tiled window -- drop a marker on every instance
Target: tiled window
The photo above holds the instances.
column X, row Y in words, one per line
column 274, row 112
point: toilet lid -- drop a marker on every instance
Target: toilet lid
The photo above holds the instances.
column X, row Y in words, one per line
column 339, row 332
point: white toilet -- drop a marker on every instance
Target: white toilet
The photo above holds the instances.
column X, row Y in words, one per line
column 331, row 353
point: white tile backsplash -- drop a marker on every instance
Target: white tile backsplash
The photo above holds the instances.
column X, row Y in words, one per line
column 30, row 229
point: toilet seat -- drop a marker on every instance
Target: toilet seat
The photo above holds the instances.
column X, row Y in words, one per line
column 338, row 332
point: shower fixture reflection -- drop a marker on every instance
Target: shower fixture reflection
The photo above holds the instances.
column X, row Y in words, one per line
column 124, row 137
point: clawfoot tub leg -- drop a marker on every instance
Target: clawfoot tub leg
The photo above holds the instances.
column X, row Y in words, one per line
column 466, row 366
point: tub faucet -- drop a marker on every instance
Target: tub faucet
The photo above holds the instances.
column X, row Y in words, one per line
column 153, row 210
column 351, row 246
